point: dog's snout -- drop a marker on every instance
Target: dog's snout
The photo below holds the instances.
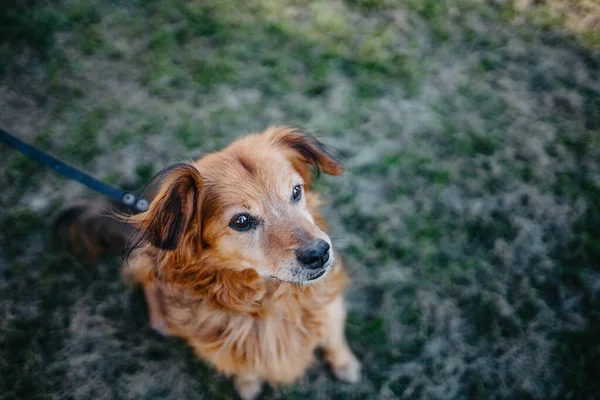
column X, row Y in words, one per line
column 314, row 254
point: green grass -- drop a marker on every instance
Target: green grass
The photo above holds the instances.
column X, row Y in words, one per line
column 468, row 214
column 31, row 24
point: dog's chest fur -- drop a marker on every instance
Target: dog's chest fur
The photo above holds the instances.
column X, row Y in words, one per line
column 276, row 343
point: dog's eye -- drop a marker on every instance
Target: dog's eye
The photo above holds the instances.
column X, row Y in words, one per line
column 297, row 193
column 242, row 222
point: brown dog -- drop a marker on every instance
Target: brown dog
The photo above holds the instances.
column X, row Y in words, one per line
column 233, row 256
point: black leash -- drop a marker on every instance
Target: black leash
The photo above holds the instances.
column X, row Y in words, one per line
column 129, row 199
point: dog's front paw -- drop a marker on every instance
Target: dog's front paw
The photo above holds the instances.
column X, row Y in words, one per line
column 159, row 325
column 248, row 388
column 349, row 371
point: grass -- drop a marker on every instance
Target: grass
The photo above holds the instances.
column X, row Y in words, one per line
column 468, row 213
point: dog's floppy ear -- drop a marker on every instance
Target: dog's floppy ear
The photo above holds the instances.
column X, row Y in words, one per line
column 173, row 210
column 306, row 151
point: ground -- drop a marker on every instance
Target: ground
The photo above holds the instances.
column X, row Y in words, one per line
column 468, row 214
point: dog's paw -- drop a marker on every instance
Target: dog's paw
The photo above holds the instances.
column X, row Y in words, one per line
column 248, row 389
column 348, row 371
column 159, row 325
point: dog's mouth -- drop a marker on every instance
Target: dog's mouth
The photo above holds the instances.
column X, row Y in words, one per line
column 311, row 276
column 303, row 275
column 316, row 275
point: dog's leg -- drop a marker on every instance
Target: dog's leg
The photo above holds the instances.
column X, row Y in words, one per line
column 155, row 309
column 343, row 362
column 248, row 387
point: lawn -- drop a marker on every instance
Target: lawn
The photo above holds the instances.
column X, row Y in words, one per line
column 468, row 214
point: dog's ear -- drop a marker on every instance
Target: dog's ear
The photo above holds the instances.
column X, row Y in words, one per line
column 173, row 210
column 305, row 152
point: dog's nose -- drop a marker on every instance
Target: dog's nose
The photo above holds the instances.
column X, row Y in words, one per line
column 314, row 254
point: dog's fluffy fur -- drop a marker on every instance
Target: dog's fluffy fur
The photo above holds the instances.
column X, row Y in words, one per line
column 239, row 298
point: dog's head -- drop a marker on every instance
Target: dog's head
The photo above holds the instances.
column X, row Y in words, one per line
column 246, row 208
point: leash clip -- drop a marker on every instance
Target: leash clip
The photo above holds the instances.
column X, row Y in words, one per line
column 140, row 204
column 64, row 169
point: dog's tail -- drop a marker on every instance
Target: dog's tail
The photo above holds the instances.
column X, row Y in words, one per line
column 94, row 229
